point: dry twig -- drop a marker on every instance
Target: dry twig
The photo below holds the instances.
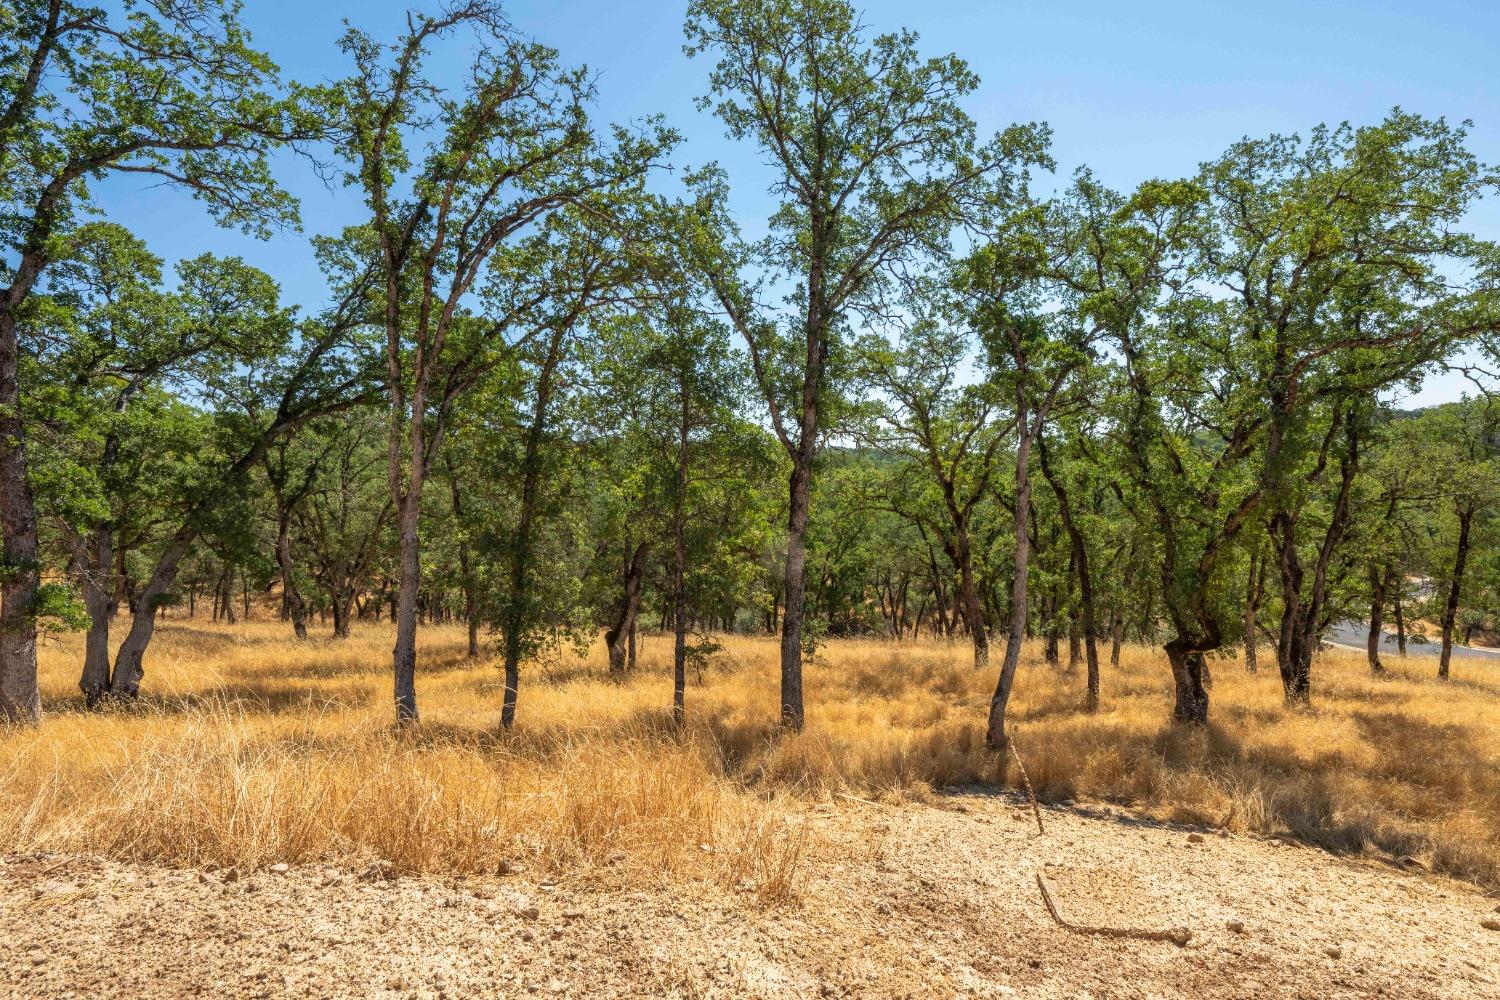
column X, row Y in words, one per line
column 1177, row 935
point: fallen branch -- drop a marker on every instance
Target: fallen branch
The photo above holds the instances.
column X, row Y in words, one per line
column 856, row 798
column 1177, row 935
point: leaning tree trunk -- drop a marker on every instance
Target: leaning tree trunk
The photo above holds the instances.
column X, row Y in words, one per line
column 130, row 660
column 1455, row 587
column 20, row 697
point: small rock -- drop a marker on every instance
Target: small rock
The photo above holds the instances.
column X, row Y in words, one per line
column 231, row 875
column 1195, row 838
column 1333, row 951
column 378, row 871
column 572, row 914
column 1489, row 924
column 527, row 909
column 203, row 876
column 1067, row 803
column 1237, row 926
column 37, row 957
column 281, row 868
column 557, row 933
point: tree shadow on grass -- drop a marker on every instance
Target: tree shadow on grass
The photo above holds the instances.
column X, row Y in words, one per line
column 1319, row 801
column 247, row 698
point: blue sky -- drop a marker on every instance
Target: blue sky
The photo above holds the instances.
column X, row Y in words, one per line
column 1132, row 88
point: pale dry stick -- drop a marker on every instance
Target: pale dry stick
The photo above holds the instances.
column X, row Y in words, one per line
column 856, row 798
column 1035, row 809
column 1177, row 935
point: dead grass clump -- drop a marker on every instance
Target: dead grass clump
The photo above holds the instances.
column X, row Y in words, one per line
column 253, row 748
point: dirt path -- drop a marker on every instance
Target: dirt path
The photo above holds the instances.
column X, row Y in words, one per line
column 909, row 901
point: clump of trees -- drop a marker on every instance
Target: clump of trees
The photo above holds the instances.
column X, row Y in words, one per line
column 556, row 394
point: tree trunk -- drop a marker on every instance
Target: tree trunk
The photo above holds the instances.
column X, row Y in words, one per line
column 1400, row 616
column 465, row 568
column 129, row 661
column 1379, row 581
column 517, row 608
column 96, row 563
column 20, row 697
column 679, row 563
column 800, row 488
column 404, row 656
column 1116, row 633
column 616, row 638
column 342, row 605
column 968, row 588
column 995, row 734
column 1455, row 587
column 1051, row 652
column 226, row 601
column 1302, row 614
column 296, row 607
column 1117, row 637
column 1085, row 620
column 940, row 604
column 1191, row 703
column 1255, row 588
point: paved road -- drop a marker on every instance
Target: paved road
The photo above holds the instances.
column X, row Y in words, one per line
column 1356, row 633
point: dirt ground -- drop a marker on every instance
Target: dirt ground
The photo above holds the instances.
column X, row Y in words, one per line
column 916, row 901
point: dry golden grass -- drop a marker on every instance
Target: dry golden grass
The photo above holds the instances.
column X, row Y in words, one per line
column 252, row 748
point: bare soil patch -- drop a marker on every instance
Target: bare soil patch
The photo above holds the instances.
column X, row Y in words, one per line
column 905, row 900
